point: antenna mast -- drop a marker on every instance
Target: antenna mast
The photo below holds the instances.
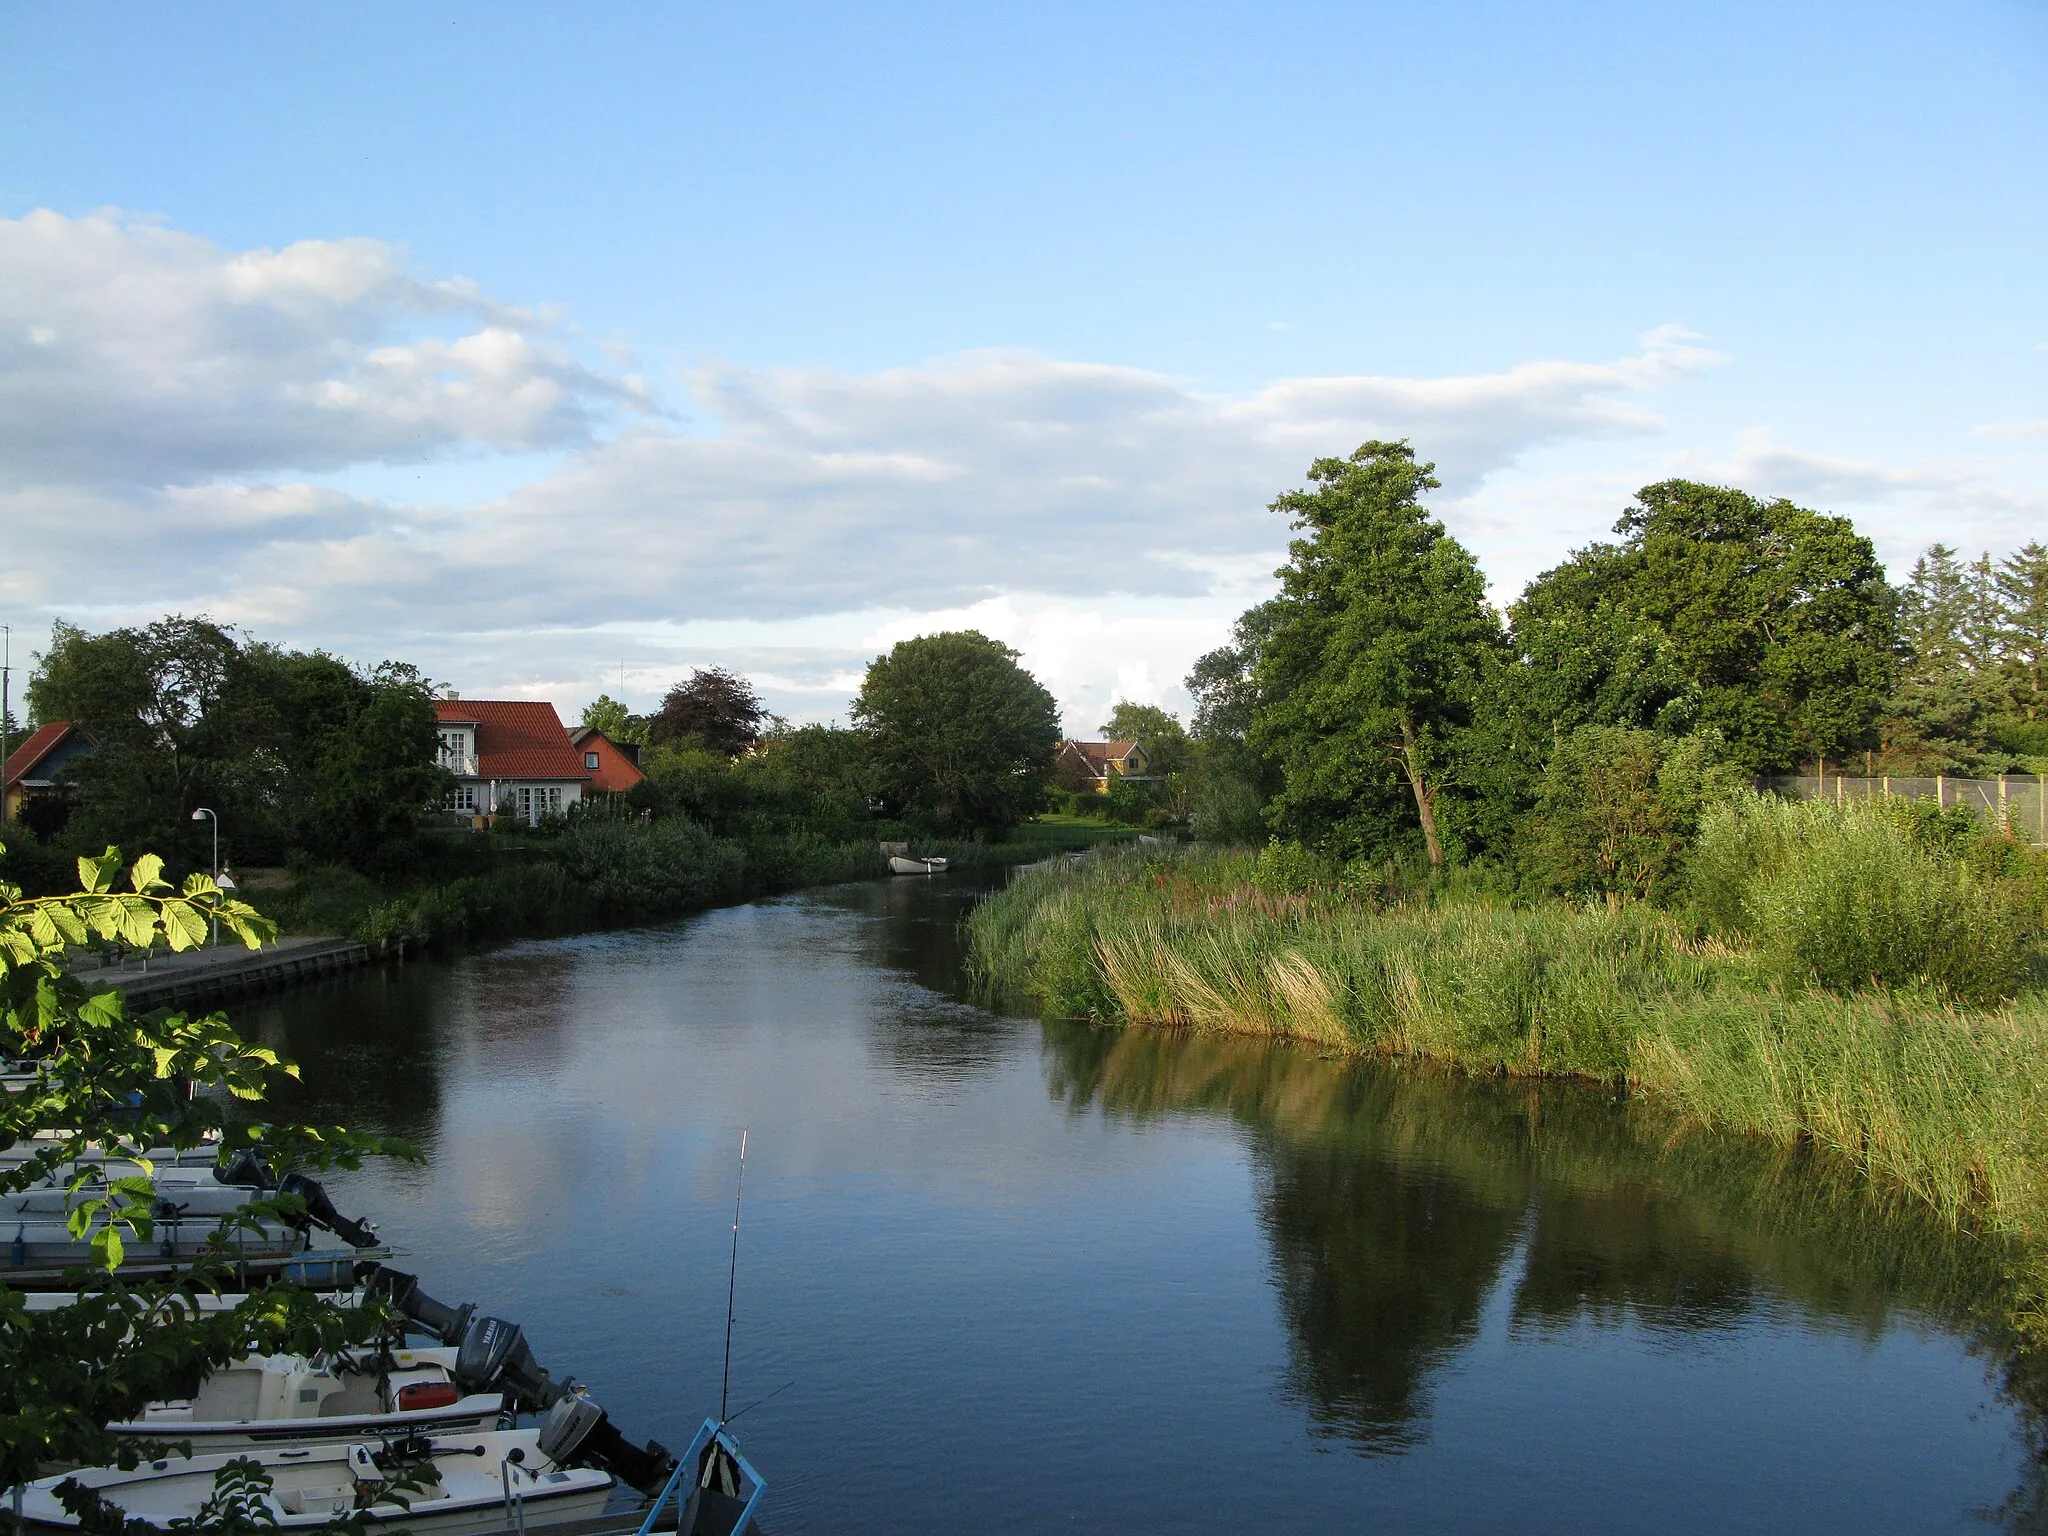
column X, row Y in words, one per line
column 732, row 1276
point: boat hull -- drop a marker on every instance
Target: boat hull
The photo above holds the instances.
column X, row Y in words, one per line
column 313, row 1485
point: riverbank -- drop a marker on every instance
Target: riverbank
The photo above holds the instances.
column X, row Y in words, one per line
column 484, row 889
column 1940, row 1104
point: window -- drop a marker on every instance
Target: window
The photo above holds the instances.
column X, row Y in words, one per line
column 590, row 761
column 536, row 801
column 461, row 798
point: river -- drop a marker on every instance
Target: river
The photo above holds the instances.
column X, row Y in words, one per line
column 1024, row 1276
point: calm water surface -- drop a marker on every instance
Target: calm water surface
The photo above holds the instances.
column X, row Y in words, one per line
column 1034, row 1277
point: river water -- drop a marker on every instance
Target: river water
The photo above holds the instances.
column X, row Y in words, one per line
column 1028, row 1277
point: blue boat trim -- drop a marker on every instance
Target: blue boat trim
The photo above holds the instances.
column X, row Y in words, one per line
column 686, row 1468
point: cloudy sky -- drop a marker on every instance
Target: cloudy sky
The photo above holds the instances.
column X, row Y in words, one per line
column 550, row 348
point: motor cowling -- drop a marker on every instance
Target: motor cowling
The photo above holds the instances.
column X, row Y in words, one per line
column 448, row 1323
column 320, row 1211
column 567, row 1426
column 578, row 1431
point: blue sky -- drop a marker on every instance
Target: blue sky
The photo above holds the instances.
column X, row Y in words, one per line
column 745, row 248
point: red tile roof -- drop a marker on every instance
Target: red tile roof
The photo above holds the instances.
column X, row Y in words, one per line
column 22, row 757
column 516, row 739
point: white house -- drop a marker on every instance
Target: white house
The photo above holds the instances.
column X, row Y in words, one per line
column 511, row 756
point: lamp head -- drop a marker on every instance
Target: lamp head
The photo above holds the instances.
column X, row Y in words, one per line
column 199, row 815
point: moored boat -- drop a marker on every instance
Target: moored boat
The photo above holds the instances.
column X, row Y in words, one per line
column 280, row 1399
column 449, row 1485
column 904, row 864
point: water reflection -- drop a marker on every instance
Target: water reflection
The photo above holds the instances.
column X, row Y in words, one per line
column 1399, row 1202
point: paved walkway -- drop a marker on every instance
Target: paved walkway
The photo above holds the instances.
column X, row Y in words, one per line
column 220, row 970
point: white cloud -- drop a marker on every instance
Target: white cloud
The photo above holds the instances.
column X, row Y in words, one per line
column 2014, row 429
column 135, row 354
column 165, row 406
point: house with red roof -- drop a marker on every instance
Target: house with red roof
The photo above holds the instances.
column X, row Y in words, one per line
column 34, row 766
column 509, row 757
column 614, row 766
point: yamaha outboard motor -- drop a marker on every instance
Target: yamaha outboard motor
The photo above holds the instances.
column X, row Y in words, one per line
column 321, row 1212
column 446, row 1322
column 494, row 1355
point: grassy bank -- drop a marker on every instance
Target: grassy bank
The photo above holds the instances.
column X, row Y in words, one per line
column 1944, row 1103
column 483, row 889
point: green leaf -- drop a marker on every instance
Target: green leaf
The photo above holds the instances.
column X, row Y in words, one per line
column 97, row 875
column 109, row 1247
column 147, row 873
column 183, row 926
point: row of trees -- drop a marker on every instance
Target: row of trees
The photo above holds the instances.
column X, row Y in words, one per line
column 299, row 753
column 950, row 735
column 1379, row 704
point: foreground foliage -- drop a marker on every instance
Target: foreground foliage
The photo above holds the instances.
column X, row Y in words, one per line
column 122, row 1084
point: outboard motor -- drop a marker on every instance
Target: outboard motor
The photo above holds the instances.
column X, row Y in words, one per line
column 321, row 1212
column 577, row 1429
column 246, row 1169
column 494, row 1354
column 446, row 1322
column 567, row 1426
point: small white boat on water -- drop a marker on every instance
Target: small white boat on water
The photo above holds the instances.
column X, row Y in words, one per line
column 903, row 864
column 462, row 1485
column 290, row 1399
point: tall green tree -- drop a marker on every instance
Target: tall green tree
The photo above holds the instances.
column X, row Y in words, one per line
column 960, row 737
column 353, row 756
column 1368, row 680
column 2021, row 582
column 1934, row 723
column 615, row 720
column 299, row 753
column 161, row 701
column 1767, row 622
column 1230, row 781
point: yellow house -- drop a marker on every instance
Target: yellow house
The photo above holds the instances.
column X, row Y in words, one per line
column 1095, row 765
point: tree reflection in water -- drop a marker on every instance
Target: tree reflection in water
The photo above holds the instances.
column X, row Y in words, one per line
column 1402, row 1202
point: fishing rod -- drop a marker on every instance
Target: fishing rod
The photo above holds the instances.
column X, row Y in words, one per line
column 733, row 1275
column 757, row 1402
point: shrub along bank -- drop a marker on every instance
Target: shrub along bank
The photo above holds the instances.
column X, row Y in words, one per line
column 1843, row 979
column 596, row 873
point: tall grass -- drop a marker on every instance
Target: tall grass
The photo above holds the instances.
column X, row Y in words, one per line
column 1944, row 1104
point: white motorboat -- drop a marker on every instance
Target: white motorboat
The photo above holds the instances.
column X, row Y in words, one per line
column 902, row 864
column 290, row 1399
column 190, row 1203
column 45, row 1243
column 462, row 1485
column 120, row 1160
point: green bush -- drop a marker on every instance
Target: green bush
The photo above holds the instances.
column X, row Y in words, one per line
column 1619, row 810
column 1290, row 869
column 1862, row 895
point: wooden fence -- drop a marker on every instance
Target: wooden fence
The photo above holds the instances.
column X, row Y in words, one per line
column 2016, row 802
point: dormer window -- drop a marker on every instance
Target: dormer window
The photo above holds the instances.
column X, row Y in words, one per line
column 590, row 761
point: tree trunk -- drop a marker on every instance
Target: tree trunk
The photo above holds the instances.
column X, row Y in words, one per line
column 1425, row 797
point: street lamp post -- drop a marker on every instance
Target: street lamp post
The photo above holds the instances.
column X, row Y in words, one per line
column 203, row 814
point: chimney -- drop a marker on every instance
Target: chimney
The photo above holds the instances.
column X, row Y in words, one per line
column 450, row 694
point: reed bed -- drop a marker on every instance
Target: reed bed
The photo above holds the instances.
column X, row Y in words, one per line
column 1944, row 1104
